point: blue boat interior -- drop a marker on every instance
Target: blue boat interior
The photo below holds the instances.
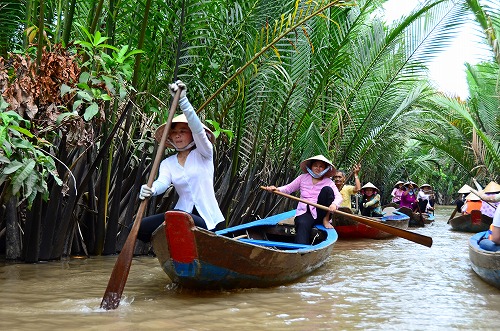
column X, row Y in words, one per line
column 276, row 232
column 482, row 241
column 277, row 244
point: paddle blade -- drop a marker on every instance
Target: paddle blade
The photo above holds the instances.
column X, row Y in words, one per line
column 119, row 275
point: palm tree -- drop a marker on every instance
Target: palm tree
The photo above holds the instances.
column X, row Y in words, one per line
column 289, row 78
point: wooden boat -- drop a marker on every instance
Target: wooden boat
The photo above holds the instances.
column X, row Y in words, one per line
column 391, row 204
column 474, row 222
column 256, row 254
column 415, row 219
column 485, row 263
column 350, row 229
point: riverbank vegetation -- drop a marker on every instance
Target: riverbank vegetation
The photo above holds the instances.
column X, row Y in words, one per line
column 84, row 86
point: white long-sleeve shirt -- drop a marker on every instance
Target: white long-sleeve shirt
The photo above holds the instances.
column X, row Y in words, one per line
column 424, row 196
column 194, row 182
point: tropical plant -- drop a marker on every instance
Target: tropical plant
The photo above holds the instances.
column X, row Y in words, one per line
column 26, row 167
column 287, row 78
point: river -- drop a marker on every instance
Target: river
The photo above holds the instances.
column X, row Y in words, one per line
column 390, row 284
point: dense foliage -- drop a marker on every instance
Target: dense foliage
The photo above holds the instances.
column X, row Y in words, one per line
column 84, row 85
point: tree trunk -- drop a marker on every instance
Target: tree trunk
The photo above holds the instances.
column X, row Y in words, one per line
column 13, row 239
column 32, row 232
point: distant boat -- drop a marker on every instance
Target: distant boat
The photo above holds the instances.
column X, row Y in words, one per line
column 485, row 263
column 262, row 253
column 474, row 222
column 417, row 219
column 351, row 229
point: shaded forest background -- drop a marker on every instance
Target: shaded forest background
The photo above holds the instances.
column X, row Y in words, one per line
column 84, row 84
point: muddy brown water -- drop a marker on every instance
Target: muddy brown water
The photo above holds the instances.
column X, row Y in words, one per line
column 390, row 284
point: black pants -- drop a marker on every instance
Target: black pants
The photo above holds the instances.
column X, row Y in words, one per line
column 305, row 222
column 422, row 204
column 151, row 223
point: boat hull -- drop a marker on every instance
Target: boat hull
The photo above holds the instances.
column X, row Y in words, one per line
column 486, row 264
column 417, row 219
column 467, row 223
column 196, row 258
column 350, row 229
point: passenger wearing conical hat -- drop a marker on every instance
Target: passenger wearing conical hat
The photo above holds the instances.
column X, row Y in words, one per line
column 190, row 170
column 425, row 198
column 346, row 190
column 472, row 202
column 397, row 191
column 315, row 185
column 494, row 196
column 460, row 201
column 489, row 208
column 370, row 201
column 409, row 196
column 464, row 189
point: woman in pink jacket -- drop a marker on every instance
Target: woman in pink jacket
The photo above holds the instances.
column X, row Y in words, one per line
column 316, row 186
column 409, row 196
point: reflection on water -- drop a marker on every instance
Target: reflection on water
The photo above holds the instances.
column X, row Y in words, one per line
column 387, row 284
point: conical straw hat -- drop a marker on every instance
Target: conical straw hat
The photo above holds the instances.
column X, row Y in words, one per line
column 472, row 197
column 180, row 119
column 492, row 187
column 465, row 189
column 307, row 163
column 369, row 185
column 398, row 182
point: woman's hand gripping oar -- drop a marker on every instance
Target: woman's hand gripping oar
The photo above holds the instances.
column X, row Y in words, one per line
column 412, row 236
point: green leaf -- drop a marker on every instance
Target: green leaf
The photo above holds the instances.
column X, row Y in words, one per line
column 123, row 92
column 77, row 104
column 3, row 104
column 7, row 147
column 85, row 44
column 30, row 184
column 12, row 167
column 9, row 116
column 85, row 31
column 20, row 176
column 65, row 89
column 4, row 159
column 108, row 46
column 97, row 38
column 83, row 86
column 84, row 77
column 91, row 111
column 22, row 130
column 109, row 83
column 84, row 95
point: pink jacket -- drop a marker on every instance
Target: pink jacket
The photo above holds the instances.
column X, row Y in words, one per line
column 408, row 200
column 310, row 192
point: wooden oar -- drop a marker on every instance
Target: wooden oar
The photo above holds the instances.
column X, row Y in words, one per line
column 118, row 278
column 412, row 236
column 452, row 215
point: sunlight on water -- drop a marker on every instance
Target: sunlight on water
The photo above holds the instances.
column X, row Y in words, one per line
column 390, row 284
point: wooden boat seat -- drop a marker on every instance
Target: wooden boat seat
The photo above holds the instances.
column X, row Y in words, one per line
column 288, row 221
column 277, row 244
column 388, row 211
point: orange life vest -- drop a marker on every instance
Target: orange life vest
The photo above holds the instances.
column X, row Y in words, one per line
column 473, row 205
